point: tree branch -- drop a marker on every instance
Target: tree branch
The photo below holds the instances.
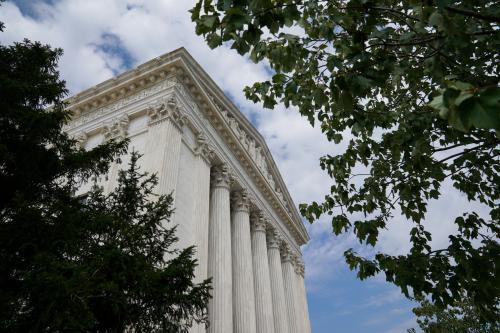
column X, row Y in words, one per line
column 466, row 151
column 466, row 12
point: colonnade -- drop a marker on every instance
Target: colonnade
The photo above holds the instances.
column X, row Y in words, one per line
column 257, row 279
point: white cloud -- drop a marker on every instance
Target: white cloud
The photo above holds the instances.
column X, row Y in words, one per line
column 379, row 300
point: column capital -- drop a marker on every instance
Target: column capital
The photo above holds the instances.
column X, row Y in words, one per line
column 299, row 265
column 258, row 222
column 220, row 176
column 286, row 252
column 166, row 108
column 240, row 201
column 274, row 238
column 204, row 149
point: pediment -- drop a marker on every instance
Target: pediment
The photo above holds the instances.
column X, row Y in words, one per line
column 179, row 70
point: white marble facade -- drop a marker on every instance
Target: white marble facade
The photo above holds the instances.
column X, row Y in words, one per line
column 230, row 200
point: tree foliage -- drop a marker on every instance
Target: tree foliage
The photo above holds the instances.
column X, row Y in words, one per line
column 462, row 317
column 412, row 88
column 69, row 264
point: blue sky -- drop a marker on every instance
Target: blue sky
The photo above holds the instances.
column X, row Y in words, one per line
column 101, row 38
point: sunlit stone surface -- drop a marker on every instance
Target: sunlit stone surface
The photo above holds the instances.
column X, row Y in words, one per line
column 230, row 200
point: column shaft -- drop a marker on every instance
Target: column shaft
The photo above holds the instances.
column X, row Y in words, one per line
column 304, row 315
column 220, row 308
column 262, row 283
column 289, row 281
column 277, row 289
column 243, row 289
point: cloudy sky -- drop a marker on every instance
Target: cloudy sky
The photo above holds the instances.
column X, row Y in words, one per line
column 102, row 38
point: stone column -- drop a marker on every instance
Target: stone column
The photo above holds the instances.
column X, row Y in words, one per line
column 277, row 289
column 198, row 203
column 262, row 283
column 305, row 324
column 220, row 307
column 201, row 203
column 163, row 143
column 290, row 285
column 117, row 130
column 298, row 300
column 243, row 289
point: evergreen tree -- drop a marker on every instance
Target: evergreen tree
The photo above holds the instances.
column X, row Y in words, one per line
column 67, row 264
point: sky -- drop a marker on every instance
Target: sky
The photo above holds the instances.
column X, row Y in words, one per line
column 102, row 38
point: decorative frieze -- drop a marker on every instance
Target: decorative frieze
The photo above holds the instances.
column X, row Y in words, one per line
column 204, row 149
column 250, row 145
column 86, row 112
column 166, row 109
column 81, row 139
column 116, row 129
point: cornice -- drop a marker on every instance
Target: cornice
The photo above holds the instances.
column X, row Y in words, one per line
column 191, row 75
column 179, row 68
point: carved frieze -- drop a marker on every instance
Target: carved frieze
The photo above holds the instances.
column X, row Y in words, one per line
column 81, row 138
column 88, row 113
column 116, row 129
column 204, row 149
column 166, row 109
column 252, row 148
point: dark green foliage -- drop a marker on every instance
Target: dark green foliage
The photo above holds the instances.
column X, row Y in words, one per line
column 413, row 86
column 462, row 317
column 74, row 265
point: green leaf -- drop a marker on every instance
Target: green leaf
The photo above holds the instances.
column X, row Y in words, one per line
column 209, row 21
column 347, row 101
column 214, row 40
column 436, row 19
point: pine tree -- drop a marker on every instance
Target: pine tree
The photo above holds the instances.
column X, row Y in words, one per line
column 74, row 265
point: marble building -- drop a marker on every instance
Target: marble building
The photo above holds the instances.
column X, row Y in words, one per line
column 229, row 197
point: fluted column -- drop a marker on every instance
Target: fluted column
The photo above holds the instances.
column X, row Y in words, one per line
column 277, row 289
column 305, row 325
column 163, row 143
column 262, row 283
column 243, row 289
column 290, row 284
column 220, row 308
column 298, row 300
